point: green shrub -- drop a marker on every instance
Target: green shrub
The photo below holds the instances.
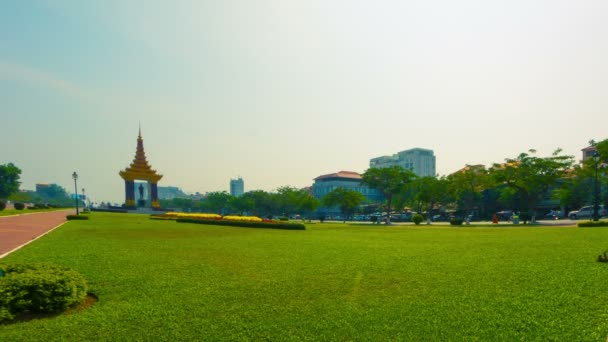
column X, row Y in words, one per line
column 456, row 222
column 603, row 257
column 280, row 225
column 77, row 217
column 283, row 218
column 39, row 288
column 417, row 218
column 19, row 206
column 593, row 224
column 2, row 206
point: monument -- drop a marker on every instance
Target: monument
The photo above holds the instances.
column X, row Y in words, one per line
column 142, row 171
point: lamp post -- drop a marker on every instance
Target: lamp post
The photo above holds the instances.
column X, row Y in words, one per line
column 596, row 191
column 75, row 176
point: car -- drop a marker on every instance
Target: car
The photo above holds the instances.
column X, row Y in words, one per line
column 586, row 212
column 553, row 215
column 504, row 215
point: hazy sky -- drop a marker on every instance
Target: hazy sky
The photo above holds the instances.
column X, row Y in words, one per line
column 280, row 92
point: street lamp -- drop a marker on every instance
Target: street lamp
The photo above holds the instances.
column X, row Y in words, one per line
column 75, row 176
column 596, row 189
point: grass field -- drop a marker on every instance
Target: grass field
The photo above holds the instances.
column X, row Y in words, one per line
column 160, row 280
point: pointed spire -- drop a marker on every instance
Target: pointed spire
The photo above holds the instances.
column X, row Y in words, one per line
column 139, row 168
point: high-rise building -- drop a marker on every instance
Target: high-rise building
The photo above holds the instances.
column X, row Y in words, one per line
column 237, row 187
column 420, row 161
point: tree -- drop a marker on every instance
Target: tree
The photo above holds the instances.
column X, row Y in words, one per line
column 288, row 199
column 388, row 180
column 532, row 177
column 466, row 186
column 309, row 204
column 262, row 202
column 429, row 192
column 347, row 200
column 9, row 179
column 218, row 201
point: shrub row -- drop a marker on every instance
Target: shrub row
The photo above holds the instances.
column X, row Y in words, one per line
column 593, row 224
column 2, row 205
column 77, row 217
column 19, row 205
column 38, row 288
column 281, row 225
column 110, row 210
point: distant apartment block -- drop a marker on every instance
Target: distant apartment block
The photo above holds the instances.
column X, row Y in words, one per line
column 420, row 161
column 344, row 179
column 170, row 192
column 589, row 152
column 237, row 187
column 42, row 188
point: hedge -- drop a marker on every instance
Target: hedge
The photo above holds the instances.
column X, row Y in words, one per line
column 77, row 217
column 593, row 224
column 281, row 225
column 38, row 288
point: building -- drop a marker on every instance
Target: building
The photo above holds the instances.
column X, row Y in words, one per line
column 420, row 161
column 344, row 179
column 589, row 152
column 170, row 192
column 237, row 187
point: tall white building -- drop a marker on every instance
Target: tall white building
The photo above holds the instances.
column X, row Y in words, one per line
column 420, row 161
column 237, row 187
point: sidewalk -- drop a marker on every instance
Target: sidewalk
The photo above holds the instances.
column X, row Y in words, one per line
column 18, row 230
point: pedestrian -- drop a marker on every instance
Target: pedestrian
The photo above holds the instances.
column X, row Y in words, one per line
column 495, row 219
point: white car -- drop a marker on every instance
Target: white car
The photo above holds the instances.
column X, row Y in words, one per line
column 586, row 212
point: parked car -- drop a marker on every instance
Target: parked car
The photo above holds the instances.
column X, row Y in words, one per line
column 586, row 212
column 553, row 215
column 504, row 215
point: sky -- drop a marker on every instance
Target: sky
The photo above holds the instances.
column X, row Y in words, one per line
column 282, row 91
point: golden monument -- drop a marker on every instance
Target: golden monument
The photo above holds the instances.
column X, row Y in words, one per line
column 140, row 170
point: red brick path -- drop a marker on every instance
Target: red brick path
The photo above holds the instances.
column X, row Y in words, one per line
column 17, row 230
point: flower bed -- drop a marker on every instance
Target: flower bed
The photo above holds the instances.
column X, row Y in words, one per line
column 247, row 224
column 237, row 221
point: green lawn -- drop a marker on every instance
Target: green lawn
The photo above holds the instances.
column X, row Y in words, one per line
column 160, row 280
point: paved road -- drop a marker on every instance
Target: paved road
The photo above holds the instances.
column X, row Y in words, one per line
column 20, row 229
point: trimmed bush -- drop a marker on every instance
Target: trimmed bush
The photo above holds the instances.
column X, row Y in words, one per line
column 600, row 258
column 39, row 288
column 77, row 217
column 283, row 218
column 593, row 224
column 417, row 218
column 456, row 222
column 266, row 224
column 2, row 206
column 19, row 206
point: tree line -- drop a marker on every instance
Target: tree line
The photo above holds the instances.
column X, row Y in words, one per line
column 522, row 183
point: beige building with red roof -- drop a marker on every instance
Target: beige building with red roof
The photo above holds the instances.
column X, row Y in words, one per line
column 324, row 184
